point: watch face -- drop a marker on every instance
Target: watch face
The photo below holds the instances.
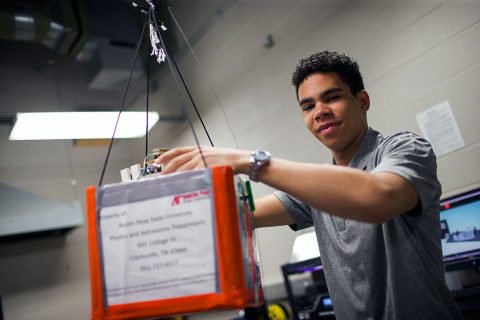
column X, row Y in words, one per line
column 258, row 159
column 261, row 156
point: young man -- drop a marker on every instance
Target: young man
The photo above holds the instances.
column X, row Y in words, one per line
column 375, row 210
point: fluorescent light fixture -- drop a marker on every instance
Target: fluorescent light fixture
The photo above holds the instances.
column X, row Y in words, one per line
column 81, row 125
column 24, row 19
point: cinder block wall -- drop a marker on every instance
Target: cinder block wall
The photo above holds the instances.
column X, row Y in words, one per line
column 413, row 55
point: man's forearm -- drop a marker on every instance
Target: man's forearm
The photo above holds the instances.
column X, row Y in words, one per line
column 270, row 212
column 341, row 191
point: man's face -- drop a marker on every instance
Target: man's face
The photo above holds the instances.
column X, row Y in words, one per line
column 331, row 112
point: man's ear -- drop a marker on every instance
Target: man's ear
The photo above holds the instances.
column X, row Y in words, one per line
column 364, row 100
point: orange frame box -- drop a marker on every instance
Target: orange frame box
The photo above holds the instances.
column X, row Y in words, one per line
column 231, row 278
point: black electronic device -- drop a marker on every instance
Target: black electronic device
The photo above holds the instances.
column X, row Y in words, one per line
column 460, row 229
column 307, row 290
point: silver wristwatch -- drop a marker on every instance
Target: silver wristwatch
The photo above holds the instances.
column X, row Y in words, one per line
column 258, row 159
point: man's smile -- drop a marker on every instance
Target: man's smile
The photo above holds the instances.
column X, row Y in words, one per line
column 328, row 128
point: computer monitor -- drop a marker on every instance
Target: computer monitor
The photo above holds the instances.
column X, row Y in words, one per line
column 460, row 227
column 307, row 290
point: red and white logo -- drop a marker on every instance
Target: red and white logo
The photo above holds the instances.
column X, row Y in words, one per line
column 190, row 197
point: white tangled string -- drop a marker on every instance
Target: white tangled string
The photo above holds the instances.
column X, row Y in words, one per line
column 157, row 51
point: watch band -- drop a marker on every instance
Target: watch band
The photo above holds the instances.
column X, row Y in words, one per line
column 258, row 159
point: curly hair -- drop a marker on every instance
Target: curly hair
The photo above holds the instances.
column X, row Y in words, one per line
column 329, row 61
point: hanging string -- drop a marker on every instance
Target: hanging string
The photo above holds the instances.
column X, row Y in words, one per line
column 259, row 251
column 123, row 104
column 188, row 91
column 156, row 37
column 191, row 99
column 202, row 70
column 153, row 21
column 148, row 96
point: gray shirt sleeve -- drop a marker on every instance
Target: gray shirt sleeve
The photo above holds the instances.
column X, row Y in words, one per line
column 300, row 212
column 405, row 154
column 412, row 157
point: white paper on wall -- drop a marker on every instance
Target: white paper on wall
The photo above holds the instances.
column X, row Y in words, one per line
column 438, row 125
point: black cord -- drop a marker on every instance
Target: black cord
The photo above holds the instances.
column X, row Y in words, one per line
column 152, row 19
column 123, row 105
column 204, row 75
column 169, row 58
column 189, row 95
column 148, row 95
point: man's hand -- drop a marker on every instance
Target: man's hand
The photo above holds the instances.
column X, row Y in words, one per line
column 190, row 158
column 269, row 212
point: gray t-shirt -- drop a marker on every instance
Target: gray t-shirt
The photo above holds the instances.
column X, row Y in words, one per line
column 392, row 270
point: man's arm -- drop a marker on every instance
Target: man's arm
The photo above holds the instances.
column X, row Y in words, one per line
column 270, row 212
column 341, row 191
